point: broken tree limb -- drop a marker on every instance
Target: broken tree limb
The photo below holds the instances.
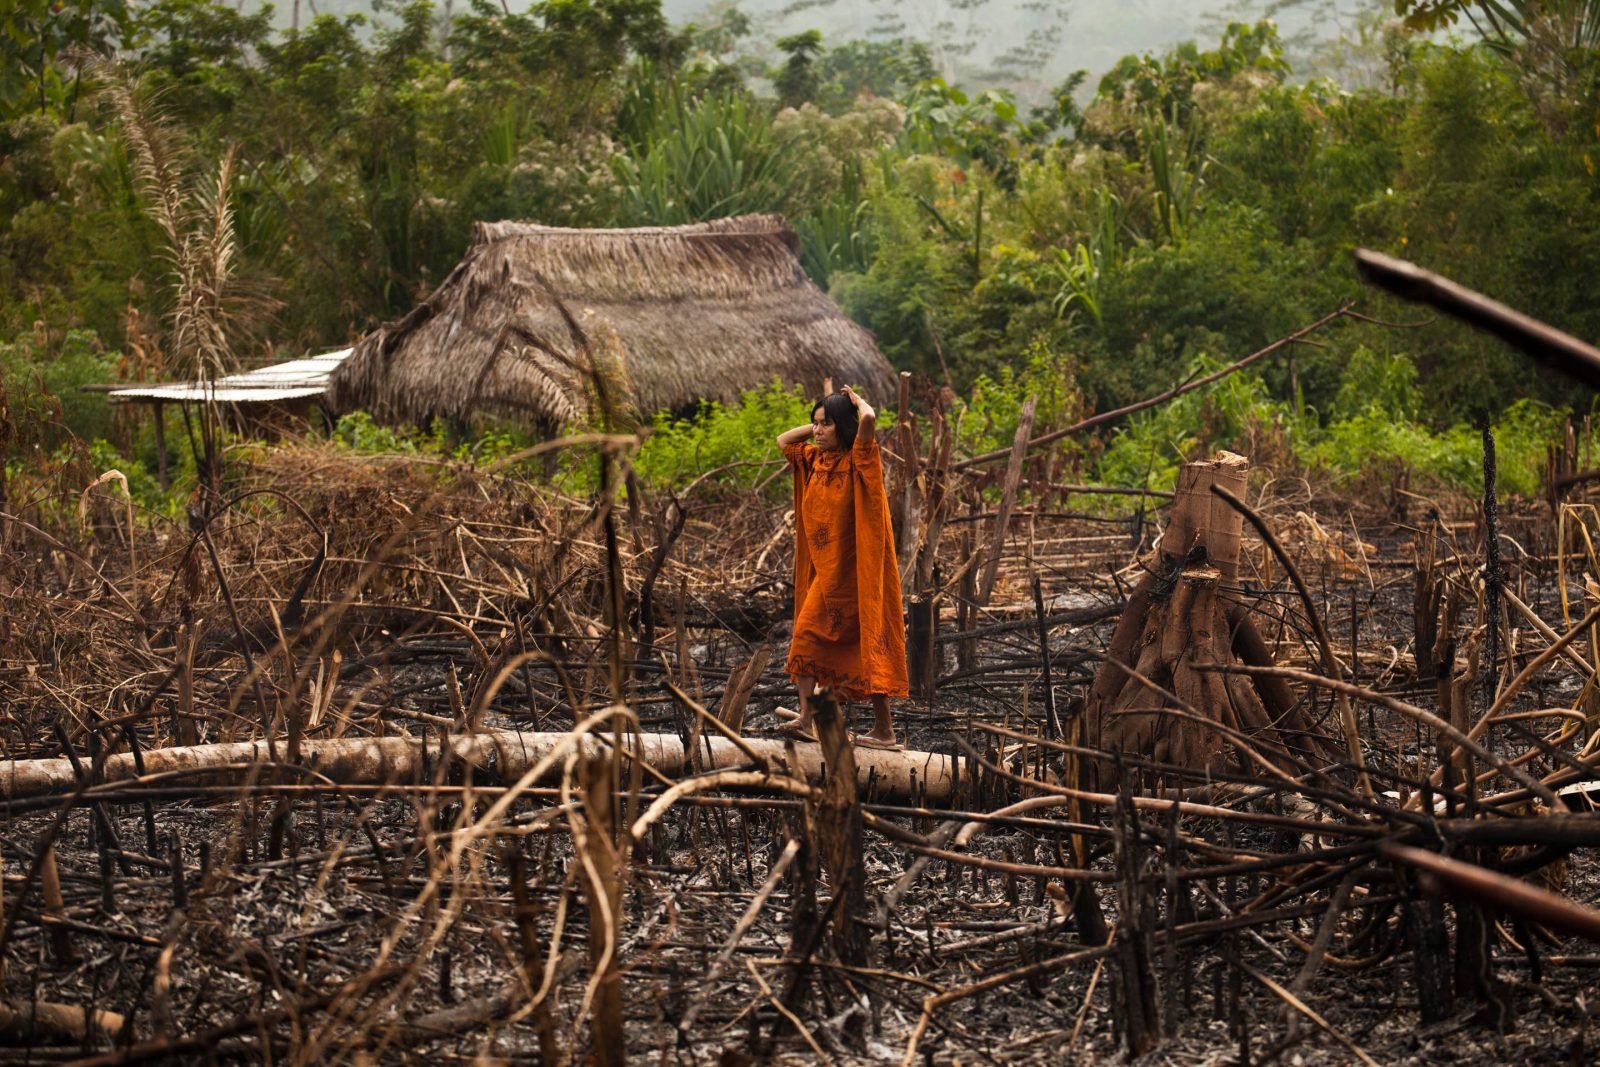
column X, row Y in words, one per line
column 742, row 682
column 507, row 753
column 43, row 1023
column 1545, row 344
column 1500, row 891
column 1155, row 401
column 1008, row 497
column 1347, row 717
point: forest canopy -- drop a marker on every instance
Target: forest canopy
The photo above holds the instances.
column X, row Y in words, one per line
column 1179, row 210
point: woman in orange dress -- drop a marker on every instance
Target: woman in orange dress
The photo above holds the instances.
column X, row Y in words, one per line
column 849, row 630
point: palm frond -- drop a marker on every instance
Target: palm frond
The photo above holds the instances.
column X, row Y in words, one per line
column 157, row 155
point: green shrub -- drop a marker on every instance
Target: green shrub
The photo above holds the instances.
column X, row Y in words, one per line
column 358, row 432
column 1374, row 428
column 1237, row 413
column 481, row 445
column 143, row 485
column 42, row 381
column 989, row 414
column 680, row 450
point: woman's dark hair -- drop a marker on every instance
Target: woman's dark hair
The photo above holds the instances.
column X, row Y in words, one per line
column 838, row 408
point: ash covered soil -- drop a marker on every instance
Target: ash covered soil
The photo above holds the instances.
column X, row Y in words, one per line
column 346, row 926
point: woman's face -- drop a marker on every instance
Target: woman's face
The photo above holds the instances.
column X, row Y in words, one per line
column 823, row 431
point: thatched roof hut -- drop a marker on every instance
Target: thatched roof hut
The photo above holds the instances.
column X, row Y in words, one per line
column 679, row 314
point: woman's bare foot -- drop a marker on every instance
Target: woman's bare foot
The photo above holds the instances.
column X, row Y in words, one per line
column 799, row 730
column 882, row 735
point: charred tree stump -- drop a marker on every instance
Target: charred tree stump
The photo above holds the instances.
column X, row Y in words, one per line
column 1182, row 618
column 838, row 821
column 602, row 890
column 829, row 835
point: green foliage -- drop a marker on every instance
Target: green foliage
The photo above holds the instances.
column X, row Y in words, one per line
column 359, row 433
column 830, row 180
column 1372, row 432
column 1177, row 170
column 987, row 416
column 42, row 379
column 1081, row 270
column 1060, row 113
column 882, row 69
column 739, row 438
column 1509, row 24
column 942, row 119
column 705, row 157
column 917, row 271
column 33, row 36
column 1237, row 413
column 144, row 486
column 1203, row 203
column 797, row 80
column 1169, row 86
column 484, row 445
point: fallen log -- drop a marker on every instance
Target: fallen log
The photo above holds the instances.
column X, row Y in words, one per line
column 508, row 754
column 44, row 1023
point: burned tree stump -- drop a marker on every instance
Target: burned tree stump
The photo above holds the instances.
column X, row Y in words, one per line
column 1183, row 617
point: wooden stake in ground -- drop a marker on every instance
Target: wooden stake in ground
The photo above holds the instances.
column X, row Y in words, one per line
column 1008, row 497
column 602, row 889
column 839, row 827
column 1182, row 618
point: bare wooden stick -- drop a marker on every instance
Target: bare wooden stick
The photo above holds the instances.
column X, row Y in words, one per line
column 1154, row 401
column 54, row 906
column 1542, row 342
column 602, row 865
column 1008, row 497
column 1501, row 891
column 742, row 927
column 1300, row 1006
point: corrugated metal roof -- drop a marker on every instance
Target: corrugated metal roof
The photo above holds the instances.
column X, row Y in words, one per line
column 294, row 380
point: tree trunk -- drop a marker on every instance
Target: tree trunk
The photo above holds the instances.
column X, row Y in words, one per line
column 510, row 753
column 1184, row 617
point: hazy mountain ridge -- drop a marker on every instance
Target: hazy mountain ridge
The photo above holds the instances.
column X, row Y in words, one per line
column 1027, row 45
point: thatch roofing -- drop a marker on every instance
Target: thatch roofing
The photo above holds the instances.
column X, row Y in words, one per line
column 679, row 313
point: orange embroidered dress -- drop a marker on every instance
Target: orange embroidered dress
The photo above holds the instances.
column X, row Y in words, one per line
column 849, row 630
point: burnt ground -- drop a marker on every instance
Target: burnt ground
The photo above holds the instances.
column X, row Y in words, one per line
column 329, row 925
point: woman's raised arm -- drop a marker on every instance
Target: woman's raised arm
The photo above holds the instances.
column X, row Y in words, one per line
column 866, row 418
column 795, row 436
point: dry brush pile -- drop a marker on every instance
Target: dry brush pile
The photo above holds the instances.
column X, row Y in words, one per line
column 374, row 760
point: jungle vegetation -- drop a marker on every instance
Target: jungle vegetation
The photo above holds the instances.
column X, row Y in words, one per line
column 184, row 186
